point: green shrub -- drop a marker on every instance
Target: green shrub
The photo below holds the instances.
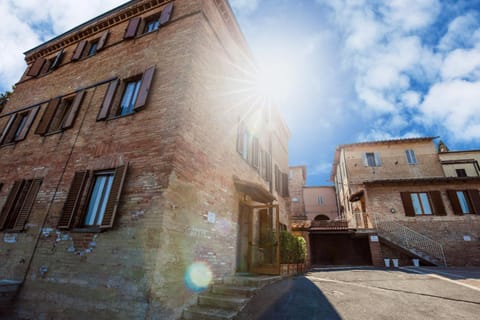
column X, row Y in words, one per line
column 292, row 249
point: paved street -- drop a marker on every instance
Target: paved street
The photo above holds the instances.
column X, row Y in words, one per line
column 369, row 293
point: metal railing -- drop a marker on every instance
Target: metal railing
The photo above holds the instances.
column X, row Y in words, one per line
column 411, row 240
column 330, row 225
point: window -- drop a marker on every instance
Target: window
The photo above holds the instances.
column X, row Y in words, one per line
column 150, row 24
column 461, row 172
column 17, row 126
column 423, row 203
column 87, row 48
column 19, row 204
column 371, row 159
column 134, row 96
column 60, row 114
column 411, row 159
column 93, row 199
column 42, row 65
column 464, row 201
column 320, row 200
column 129, row 96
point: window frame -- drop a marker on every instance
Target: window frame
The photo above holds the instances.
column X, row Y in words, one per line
column 411, row 157
column 424, row 203
column 17, row 127
column 435, row 202
column 104, row 198
column 472, row 199
column 371, row 159
column 461, row 172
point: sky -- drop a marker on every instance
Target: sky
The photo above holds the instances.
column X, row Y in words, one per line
column 340, row 71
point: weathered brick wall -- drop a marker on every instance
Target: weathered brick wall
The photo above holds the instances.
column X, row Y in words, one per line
column 447, row 230
column 182, row 159
column 296, row 182
column 313, row 208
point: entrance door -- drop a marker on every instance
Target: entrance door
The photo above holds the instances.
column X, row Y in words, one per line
column 264, row 240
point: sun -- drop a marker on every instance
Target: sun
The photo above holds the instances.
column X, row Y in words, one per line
column 275, row 79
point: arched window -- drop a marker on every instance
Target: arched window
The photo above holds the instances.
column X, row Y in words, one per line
column 321, row 217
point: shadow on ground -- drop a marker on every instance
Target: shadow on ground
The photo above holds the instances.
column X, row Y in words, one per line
column 293, row 298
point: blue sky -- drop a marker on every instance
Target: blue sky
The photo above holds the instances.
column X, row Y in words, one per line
column 343, row 70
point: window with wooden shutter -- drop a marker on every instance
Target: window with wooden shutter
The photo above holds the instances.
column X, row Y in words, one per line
column 454, row 200
column 277, row 179
column 72, row 204
column 48, row 114
column 19, row 204
column 255, row 152
column 268, row 166
column 166, row 14
column 93, row 202
column 103, row 40
column 407, row 204
column 36, row 67
column 284, row 184
column 77, row 54
column 18, row 126
column 132, row 28
column 437, row 202
column 108, row 100
column 144, row 89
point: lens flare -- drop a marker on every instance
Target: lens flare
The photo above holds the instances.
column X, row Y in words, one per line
column 198, row 276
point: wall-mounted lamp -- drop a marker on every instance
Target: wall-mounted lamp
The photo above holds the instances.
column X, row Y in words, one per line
column 392, row 210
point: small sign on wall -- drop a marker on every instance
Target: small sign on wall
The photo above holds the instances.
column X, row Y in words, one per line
column 374, row 238
column 467, row 238
column 211, row 217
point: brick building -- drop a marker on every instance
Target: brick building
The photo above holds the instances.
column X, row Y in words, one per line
column 416, row 201
column 127, row 154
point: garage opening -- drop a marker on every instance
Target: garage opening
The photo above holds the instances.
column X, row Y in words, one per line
column 339, row 249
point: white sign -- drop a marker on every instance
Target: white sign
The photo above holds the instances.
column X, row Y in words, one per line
column 211, row 217
column 374, row 238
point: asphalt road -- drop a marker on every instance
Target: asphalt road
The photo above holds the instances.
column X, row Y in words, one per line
column 368, row 293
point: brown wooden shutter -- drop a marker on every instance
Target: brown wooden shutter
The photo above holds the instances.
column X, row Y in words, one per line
column 474, row 200
column 10, row 203
column 72, row 114
column 132, row 27
column 31, row 117
column 277, row 179
column 27, row 205
column 438, row 207
column 72, row 203
column 285, row 184
column 144, row 88
column 114, row 198
column 103, row 40
column 47, row 117
column 36, row 67
column 108, row 100
column 452, row 195
column 7, row 128
column 255, row 151
column 166, row 14
column 407, row 204
column 269, row 166
column 57, row 61
column 77, row 54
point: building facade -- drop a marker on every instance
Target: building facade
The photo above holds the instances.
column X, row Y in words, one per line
column 413, row 198
column 128, row 156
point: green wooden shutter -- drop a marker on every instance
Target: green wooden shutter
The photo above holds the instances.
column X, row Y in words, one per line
column 73, row 201
column 114, row 197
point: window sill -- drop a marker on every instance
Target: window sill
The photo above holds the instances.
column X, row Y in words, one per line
column 7, row 144
column 87, row 230
column 121, row 116
column 52, row 133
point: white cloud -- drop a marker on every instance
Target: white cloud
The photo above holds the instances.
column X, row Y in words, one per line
column 454, row 104
column 27, row 23
column 462, row 63
column 460, row 32
column 410, row 99
column 408, row 15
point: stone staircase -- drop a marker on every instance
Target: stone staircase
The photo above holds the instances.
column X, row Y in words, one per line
column 411, row 241
column 225, row 299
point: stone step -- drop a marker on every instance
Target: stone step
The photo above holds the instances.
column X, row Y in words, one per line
column 221, row 301
column 250, row 281
column 233, row 290
column 208, row 313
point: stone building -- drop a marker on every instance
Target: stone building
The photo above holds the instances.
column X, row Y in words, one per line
column 417, row 202
column 130, row 154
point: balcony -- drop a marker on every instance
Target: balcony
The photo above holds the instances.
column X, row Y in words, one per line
column 329, row 225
